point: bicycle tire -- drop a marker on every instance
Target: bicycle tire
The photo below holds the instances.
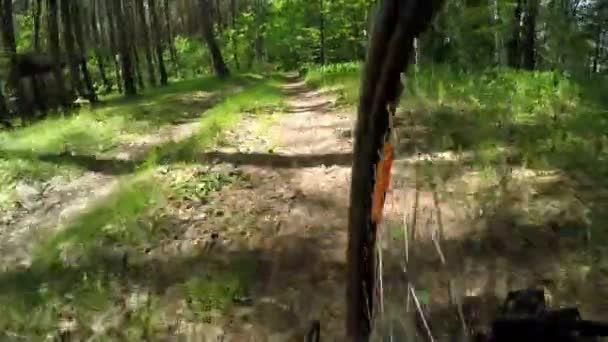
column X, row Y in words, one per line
column 396, row 23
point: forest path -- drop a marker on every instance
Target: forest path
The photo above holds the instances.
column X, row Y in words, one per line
column 297, row 197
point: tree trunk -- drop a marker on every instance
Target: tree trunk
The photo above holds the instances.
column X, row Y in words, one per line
column 5, row 118
column 113, row 38
column 145, row 34
column 218, row 15
column 10, row 49
column 158, row 42
column 138, row 74
column 8, row 30
column 126, row 65
column 37, row 15
column 99, row 56
column 78, row 30
column 235, row 54
column 169, row 34
column 598, row 50
column 529, row 40
column 514, row 45
column 221, row 70
column 321, row 33
column 68, row 40
column 53, row 28
column 496, row 21
column 133, row 41
column 259, row 36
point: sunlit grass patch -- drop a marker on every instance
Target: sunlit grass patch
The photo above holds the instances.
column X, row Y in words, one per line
column 264, row 94
column 98, row 130
column 120, row 270
column 343, row 77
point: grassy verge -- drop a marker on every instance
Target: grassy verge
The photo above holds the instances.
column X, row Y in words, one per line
column 133, row 268
column 39, row 152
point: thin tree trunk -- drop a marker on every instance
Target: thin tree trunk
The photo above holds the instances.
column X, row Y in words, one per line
column 53, row 28
column 78, row 30
column 66, row 20
column 114, row 44
column 598, row 50
column 529, row 41
column 8, row 30
column 37, row 15
column 5, row 118
column 158, row 42
column 133, row 41
column 138, row 74
column 321, row 32
column 221, row 70
column 126, row 64
column 99, row 57
column 218, row 16
column 496, row 21
column 145, row 34
column 10, row 49
column 515, row 42
column 169, row 33
column 235, row 54
column 259, row 37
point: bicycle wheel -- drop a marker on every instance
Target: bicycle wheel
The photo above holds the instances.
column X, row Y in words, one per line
column 396, row 23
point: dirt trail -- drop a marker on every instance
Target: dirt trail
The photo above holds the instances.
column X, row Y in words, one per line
column 299, row 174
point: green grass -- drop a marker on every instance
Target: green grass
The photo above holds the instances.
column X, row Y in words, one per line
column 106, row 273
column 342, row 77
column 548, row 127
column 38, row 152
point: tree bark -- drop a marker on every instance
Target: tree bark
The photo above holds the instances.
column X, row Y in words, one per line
column 78, row 30
column 218, row 15
column 321, row 33
column 133, row 41
column 126, row 64
column 68, row 41
column 37, row 15
column 8, row 30
column 10, row 49
column 99, row 56
column 53, row 28
column 158, row 42
column 5, row 118
column 598, row 50
column 221, row 70
column 169, row 33
column 514, row 45
column 235, row 54
column 114, row 44
column 145, row 34
column 529, row 40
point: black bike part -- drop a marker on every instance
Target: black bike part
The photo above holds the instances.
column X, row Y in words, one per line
column 396, row 24
column 314, row 332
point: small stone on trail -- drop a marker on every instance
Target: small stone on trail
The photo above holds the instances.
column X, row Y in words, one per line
column 28, row 196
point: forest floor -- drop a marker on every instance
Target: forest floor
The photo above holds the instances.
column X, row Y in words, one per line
column 243, row 237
